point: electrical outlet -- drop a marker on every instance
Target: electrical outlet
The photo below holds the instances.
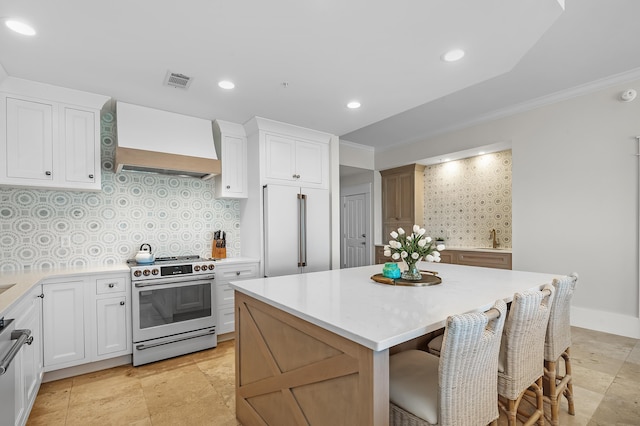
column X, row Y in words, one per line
column 65, row 241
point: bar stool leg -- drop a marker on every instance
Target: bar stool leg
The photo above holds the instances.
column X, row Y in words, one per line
column 568, row 392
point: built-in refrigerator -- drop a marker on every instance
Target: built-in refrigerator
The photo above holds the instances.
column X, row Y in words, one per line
column 296, row 230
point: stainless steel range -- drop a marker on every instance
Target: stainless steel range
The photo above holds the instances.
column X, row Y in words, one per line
column 173, row 307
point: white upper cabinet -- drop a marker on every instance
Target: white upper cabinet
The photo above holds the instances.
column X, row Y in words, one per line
column 29, row 141
column 231, row 145
column 294, row 160
column 50, row 141
column 81, row 152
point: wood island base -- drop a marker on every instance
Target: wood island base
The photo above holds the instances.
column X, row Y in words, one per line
column 292, row 372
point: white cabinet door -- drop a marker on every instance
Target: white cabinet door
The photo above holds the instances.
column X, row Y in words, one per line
column 48, row 144
column 280, row 157
column 79, row 154
column 300, row 162
column 28, row 362
column 234, row 174
column 310, row 162
column 29, row 141
column 111, row 324
column 64, row 324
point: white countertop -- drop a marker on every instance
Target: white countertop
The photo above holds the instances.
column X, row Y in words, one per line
column 24, row 281
column 347, row 302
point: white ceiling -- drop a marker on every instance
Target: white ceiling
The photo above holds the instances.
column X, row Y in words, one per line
column 384, row 54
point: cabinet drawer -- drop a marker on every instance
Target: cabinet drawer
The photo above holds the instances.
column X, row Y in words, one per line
column 110, row 285
column 488, row 260
column 224, row 294
column 225, row 274
column 226, row 320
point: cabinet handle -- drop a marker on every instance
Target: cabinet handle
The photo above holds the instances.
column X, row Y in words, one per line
column 90, row 176
column 111, row 285
column 297, row 176
column 48, row 173
column 122, row 303
column 237, row 272
column 41, row 296
column 228, row 186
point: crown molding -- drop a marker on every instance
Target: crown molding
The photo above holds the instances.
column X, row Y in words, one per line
column 357, row 145
column 563, row 95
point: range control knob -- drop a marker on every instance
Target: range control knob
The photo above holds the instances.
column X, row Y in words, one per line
column 196, row 268
column 155, row 272
column 137, row 273
column 211, row 266
column 146, row 272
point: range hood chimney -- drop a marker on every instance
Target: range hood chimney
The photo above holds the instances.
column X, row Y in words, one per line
column 150, row 140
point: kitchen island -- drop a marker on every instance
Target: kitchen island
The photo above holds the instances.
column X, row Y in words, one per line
column 314, row 348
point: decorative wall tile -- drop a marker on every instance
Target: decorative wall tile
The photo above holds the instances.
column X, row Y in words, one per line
column 465, row 199
column 175, row 215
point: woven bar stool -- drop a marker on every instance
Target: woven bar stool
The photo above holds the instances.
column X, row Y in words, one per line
column 460, row 387
column 556, row 348
column 520, row 367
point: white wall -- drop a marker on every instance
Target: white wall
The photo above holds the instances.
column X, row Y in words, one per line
column 575, row 197
column 356, row 155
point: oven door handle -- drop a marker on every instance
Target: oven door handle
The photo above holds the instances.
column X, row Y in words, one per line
column 142, row 347
column 191, row 281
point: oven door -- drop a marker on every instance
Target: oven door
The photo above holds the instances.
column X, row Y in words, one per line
column 172, row 305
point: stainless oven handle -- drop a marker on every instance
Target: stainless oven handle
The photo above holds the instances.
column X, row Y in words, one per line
column 153, row 345
column 21, row 337
column 200, row 280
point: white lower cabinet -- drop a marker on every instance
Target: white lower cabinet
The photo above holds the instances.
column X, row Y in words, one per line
column 28, row 362
column 86, row 319
column 63, row 318
column 224, row 292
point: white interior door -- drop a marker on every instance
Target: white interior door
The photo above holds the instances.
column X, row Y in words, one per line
column 354, row 227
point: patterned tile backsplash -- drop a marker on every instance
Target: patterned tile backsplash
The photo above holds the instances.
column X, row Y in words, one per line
column 175, row 215
column 464, row 200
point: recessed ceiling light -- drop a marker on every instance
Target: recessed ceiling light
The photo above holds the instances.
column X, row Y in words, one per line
column 453, row 55
column 20, row 27
column 353, row 105
column 226, row 84
column 481, row 153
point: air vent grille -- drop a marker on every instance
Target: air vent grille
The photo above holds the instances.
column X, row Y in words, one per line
column 177, row 80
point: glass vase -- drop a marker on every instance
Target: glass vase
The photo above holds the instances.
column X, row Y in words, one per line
column 411, row 273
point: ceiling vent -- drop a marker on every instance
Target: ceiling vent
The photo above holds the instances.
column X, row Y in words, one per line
column 177, row 80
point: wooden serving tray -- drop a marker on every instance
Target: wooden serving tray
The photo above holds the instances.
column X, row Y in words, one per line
column 427, row 280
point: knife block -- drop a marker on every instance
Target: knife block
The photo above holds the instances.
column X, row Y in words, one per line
column 218, row 251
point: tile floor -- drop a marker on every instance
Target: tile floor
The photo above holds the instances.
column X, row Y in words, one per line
column 198, row 389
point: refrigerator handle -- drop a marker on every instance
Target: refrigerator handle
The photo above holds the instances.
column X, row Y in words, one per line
column 302, row 209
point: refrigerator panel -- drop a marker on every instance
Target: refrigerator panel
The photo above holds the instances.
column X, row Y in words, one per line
column 318, row 247
column 281, row 225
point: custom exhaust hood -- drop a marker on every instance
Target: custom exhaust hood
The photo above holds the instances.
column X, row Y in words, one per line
column 151, row 140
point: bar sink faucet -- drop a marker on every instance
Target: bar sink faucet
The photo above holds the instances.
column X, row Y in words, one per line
column 492, row 235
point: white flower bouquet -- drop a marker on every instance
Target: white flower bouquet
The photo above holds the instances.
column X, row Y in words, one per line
column 412, row 248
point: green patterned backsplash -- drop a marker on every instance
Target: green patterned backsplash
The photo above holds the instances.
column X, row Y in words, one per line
column 175, row 215
column 465, row 199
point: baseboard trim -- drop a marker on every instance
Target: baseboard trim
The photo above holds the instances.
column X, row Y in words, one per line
column 91, row 367
column 608, row 322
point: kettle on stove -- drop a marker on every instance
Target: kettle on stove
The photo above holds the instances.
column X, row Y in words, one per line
column 145, row 256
